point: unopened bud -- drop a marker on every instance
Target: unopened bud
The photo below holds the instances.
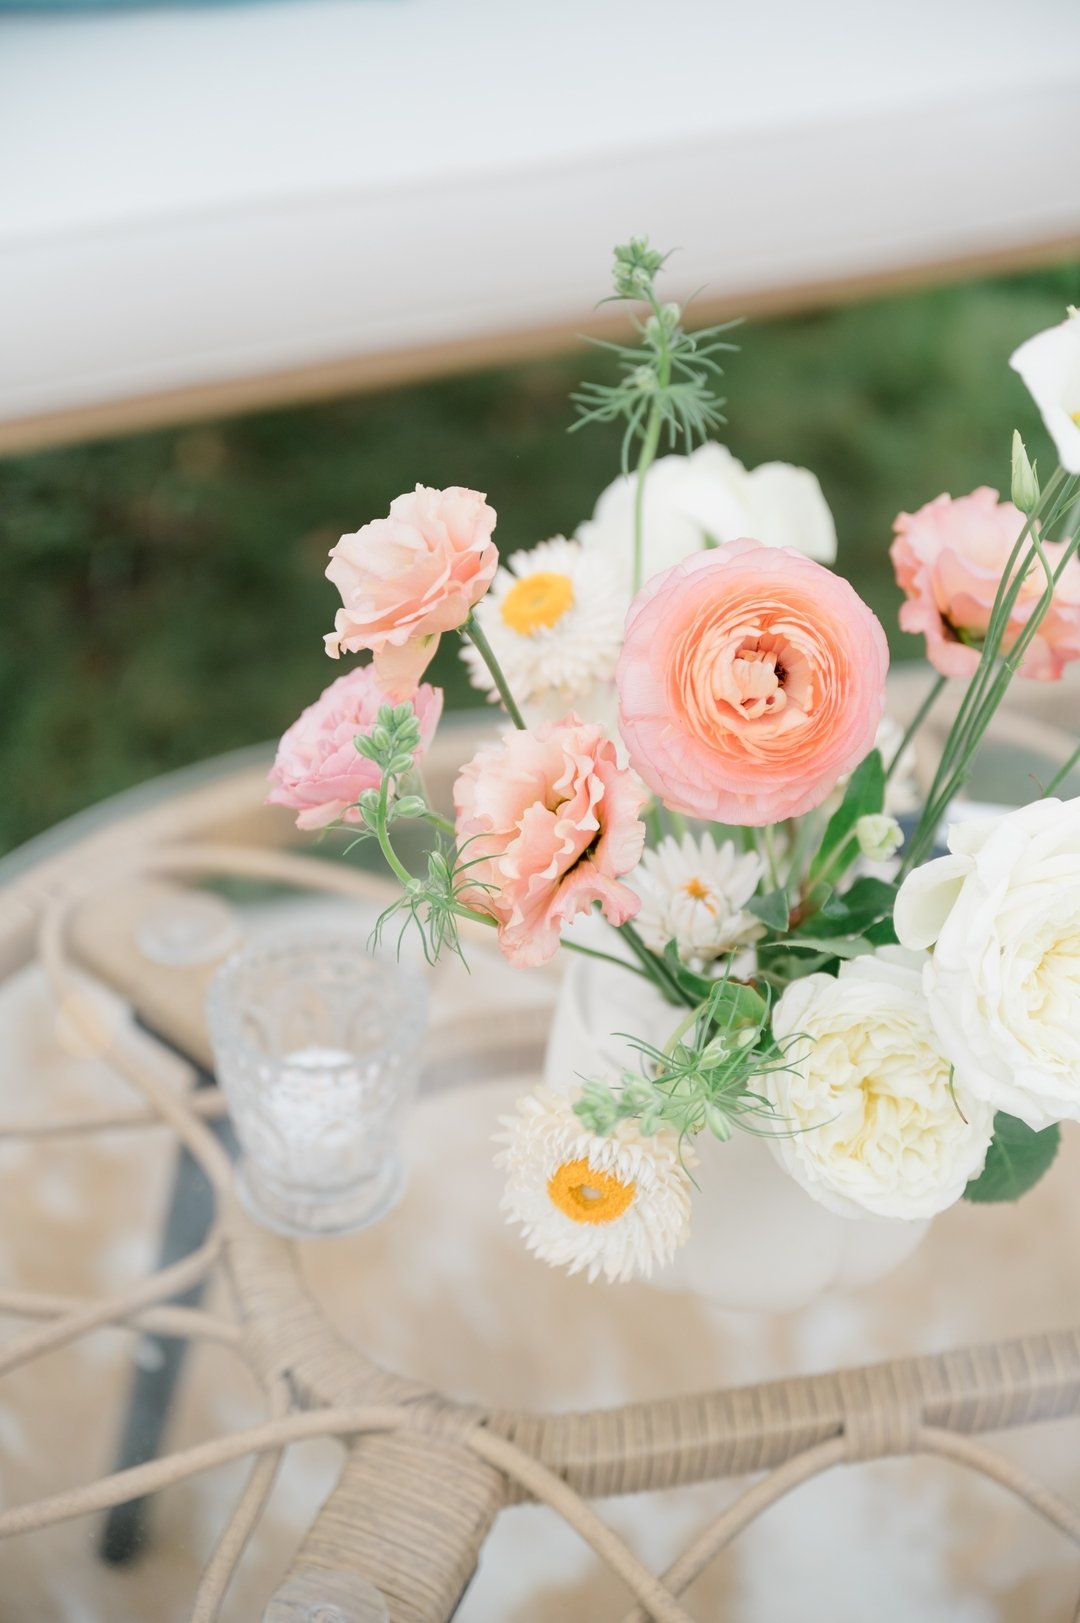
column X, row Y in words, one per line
column 410, row 806
column 718, row 1123
column 1025, row 483
column 879, row 837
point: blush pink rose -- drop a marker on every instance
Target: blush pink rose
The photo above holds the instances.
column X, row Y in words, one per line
column 949, row 559
column 406, row 579
column 318, row 771
column 547, row 821
column 750, row 681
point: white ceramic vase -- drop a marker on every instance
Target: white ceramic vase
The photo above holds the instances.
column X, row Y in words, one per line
column 758, row 1242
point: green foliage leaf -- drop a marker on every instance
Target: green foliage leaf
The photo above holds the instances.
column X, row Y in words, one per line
column 863, row 797
column 867, row 903
column 1018, row 1157
column 773, row 909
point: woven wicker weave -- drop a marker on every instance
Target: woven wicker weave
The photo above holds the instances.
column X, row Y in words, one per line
column 424, row 1477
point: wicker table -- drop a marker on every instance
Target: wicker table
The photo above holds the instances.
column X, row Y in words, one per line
column 422, row 1476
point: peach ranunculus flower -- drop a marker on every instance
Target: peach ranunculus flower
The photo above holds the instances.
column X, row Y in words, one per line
column 949, row 559
column 407, row 578
column 751, row 679
column 547, row 821
column 318, row 771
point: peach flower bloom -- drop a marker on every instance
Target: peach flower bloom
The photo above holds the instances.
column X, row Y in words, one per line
column 406, row 579
column 949, row 559
column 548, row 820
column 318, row 771
column 751, row 679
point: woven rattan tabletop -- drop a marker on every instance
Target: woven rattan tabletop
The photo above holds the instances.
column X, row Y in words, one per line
column 459, row 1375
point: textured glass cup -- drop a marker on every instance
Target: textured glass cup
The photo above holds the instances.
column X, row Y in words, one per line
column 318, row 1048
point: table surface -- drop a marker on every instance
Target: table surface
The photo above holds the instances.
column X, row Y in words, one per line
column 444, row 1291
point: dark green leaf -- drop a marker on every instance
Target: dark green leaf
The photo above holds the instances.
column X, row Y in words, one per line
column 1017, row 1159
column 867, row 902
column 863, row 797
column 773, row 909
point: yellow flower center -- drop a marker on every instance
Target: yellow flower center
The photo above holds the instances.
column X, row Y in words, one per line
column 697, row 890
column 537, row 600
column 1075, row 415
column 588, row 1196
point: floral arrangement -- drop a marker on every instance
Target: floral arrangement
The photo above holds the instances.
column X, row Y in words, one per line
column 697, row 755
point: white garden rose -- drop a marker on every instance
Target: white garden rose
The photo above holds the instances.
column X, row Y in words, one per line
column 708, row 498
column 869, row 1119
column 1002, row 915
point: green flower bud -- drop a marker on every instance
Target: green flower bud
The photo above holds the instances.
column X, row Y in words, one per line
column 398, row 764
column 718, row 1123
column 1025, row 483
column 410, row 806
column 879, row 837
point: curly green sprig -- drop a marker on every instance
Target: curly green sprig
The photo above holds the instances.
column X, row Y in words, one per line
column 668, row 381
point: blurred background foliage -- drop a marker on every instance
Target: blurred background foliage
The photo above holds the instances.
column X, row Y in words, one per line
column 163, row 596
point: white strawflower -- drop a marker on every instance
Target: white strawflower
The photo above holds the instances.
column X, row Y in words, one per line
column 871, row 1120
column 707, row 498
column 694, row 892
column 1002, row 917
column 554, row 619
column 1049, row 364
column 615, row 1206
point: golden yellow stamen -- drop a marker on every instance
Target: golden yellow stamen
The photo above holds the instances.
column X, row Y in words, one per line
column 697, row 890
column 537, row 600
column 1075, row 415
column 588, row 1196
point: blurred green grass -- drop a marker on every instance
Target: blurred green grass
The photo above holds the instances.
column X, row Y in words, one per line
column 163, row 596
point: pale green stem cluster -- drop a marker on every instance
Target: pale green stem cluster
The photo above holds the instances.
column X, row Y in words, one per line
column 988, row 685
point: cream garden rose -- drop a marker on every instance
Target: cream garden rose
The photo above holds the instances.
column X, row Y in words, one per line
column 1001, row 917
column 870, row 1119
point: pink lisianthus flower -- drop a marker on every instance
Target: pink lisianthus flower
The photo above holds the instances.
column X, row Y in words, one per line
column 750, row 681
column 407, row 578
column 318, row 771
column 547, row 821
column 949, row 559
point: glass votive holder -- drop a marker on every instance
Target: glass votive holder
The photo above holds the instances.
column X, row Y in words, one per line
column 317, row 1046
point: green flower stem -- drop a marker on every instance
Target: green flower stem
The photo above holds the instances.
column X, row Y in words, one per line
column 442, row 823
column 605, row 957
column 464, row 912
column 988, row 685
column 685, row 1024
column 651, row 964
column 1061, row 774
column 916, row 722
column 764, row 842
column 655, row 821
column 382, row 834
column 1002, row 676
column 650, row 443
column 473, row 631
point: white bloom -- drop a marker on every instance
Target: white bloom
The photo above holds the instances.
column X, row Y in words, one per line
column 1002, row 914
column 554, row 618
column 871, row 1123
column 695, row 892
column 1049, row 364
column 614, row 1206
column 706, row 498
column 879, row 837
